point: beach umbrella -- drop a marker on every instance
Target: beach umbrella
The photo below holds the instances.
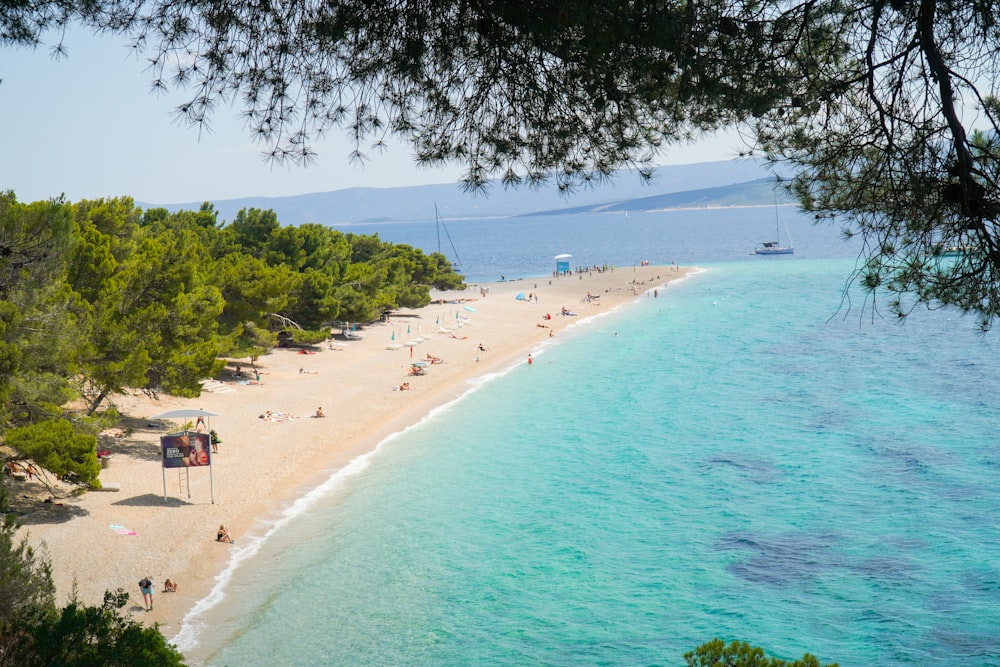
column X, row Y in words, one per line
column 184, row 414
column 393, row 335
column 407, row 328
column 437, row 320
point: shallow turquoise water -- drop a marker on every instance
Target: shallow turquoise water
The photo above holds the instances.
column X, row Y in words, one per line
column 735, row 458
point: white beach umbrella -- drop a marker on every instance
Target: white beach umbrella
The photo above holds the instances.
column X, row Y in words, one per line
column 184, row 414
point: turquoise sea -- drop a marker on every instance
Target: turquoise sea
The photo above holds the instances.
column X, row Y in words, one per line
column 754, row 454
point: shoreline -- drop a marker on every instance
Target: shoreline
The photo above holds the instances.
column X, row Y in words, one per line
column 265, row 470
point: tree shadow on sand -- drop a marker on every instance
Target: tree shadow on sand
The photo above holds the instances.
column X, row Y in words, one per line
column 136, row 438
column 33, row 511
column 152, row 500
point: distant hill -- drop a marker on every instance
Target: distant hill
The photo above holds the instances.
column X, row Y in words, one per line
column 759, row 192
column 726, row 183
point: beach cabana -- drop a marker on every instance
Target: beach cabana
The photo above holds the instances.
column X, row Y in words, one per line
column 562, row 263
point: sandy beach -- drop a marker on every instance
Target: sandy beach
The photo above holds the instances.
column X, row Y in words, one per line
column 101, row 541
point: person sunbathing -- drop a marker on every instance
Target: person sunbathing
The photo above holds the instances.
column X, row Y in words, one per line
column 434, row 360
column 319, row 412
column 169, row 586
column 416, row 370
column 223, row 535
column 405, row 387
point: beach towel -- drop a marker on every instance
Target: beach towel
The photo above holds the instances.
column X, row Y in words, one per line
column 121, row 530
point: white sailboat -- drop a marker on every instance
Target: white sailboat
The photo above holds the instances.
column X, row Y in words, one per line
column 775, row 247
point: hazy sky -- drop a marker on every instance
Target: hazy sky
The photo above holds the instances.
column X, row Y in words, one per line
column 87, row 126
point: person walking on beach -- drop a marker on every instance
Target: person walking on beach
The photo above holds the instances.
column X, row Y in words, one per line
column 146, row 588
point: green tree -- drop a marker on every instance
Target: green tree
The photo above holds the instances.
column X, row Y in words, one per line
column 717, row 653
column 97, row 636
column 316, row 303
column 53, row 445
column 27, row 593
column 154, row 320
column 359, row 294
column 251, row 290
column 39, row 314
column 310, row 246
column 252, row 230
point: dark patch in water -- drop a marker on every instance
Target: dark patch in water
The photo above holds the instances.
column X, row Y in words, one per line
column 781, row 560
column 955, row 644
column 759, row 470
column 889, row 570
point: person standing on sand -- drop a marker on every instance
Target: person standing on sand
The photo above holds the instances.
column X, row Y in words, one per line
column 146, row 588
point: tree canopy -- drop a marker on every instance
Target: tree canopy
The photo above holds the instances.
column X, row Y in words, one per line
column 101, row 297
column 717, row 653
column 886, row 109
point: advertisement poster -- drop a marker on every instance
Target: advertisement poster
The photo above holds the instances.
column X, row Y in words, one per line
column 186, row 450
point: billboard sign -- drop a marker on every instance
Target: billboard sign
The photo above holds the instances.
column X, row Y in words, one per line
column 186, row 450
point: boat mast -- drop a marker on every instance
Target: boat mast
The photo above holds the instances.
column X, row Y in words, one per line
column 777, row 223
column 439, row 223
